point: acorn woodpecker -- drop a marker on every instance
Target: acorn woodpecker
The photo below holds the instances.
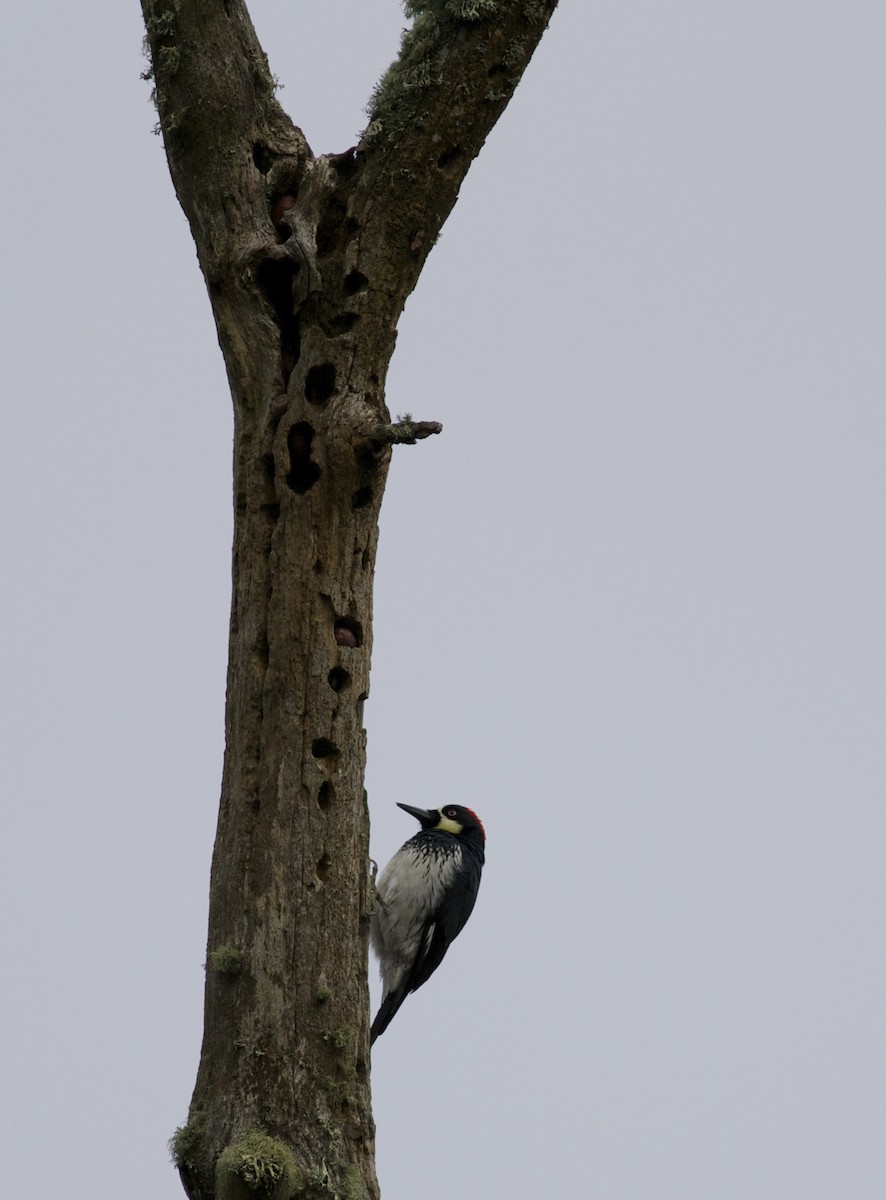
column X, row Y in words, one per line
column 425, row 896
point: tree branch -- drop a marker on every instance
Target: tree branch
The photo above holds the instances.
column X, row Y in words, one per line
column 404, row 431
column 219, row 116
column 431, row 112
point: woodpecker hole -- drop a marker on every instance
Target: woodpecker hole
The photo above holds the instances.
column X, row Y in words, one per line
column 496, row 71
column 261, row 156
column 366, row 457
column 345, row 626
column 303, row 471
column 335, row 228
column 339, row 679
column 318, row 566
column 323, row 748
column 361, row 700
column 278, row 210
column 320, row 384
column 323, row 867
column 361, row 498
column 355, row 281
column 449, row 156
column 345, row 163
column 274, row 278
column 326, row 795
column 329, row 230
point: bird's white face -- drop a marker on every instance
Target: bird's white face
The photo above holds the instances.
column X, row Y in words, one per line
column 447, row 824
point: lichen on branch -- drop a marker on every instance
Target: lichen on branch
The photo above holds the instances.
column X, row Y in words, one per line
column 430, row 51
column 404, row 431
column 423, row 50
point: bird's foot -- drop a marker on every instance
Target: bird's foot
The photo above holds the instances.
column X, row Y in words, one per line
column 373, row 875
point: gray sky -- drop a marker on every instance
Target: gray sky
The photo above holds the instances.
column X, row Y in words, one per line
column 629, row 607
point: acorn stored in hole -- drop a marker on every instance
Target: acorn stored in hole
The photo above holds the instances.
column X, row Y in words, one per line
column 282, row 206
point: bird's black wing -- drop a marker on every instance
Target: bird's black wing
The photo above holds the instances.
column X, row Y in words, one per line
column 445, row 925
column 433, row 946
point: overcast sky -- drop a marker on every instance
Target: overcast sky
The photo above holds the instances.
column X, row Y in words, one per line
column 630, row 607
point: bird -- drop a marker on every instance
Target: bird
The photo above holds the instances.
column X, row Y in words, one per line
column 424, row 897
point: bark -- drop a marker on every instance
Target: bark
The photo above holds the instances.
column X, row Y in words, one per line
column 308, row 261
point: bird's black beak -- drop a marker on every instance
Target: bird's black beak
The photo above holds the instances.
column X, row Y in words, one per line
column 428, row 817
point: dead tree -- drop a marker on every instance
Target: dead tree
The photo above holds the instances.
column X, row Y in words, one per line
column 308, row 260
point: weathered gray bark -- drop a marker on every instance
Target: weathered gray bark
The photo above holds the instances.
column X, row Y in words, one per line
column 308, row 262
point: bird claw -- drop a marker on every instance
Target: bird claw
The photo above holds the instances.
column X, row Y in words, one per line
column 373, row 875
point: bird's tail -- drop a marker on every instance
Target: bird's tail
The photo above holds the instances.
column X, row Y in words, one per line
column 387, row 1012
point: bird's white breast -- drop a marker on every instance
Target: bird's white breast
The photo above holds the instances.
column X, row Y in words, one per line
column 410, row 889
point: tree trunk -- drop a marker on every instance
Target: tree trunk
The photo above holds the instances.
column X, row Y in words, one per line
column 308, row 262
